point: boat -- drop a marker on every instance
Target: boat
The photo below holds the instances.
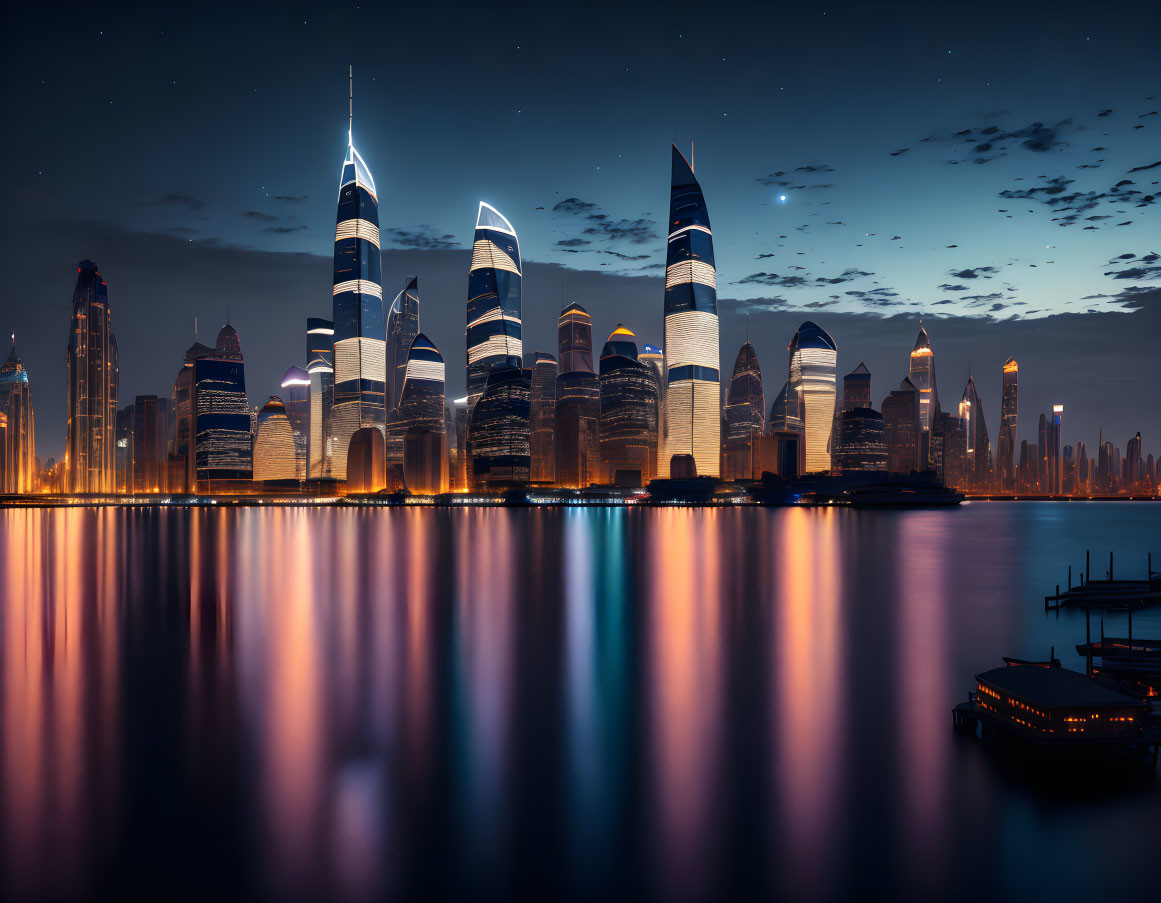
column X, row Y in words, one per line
column 1120, row 646
column 903, row 494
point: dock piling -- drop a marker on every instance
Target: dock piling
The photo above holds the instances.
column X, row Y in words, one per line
column 1086, row 574
column 1070, row 578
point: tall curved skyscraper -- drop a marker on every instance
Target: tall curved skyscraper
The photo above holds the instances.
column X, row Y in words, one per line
column 402, row 328
column 360, row 331
column 90, row 461
column 275, row 456
column 692, row 379
column 420, row 419
column 493, row 310
column 745, row 416
column 813, row 355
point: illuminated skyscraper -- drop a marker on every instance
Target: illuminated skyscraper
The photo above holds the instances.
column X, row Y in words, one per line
column 628, row 424
column 574, row 339
column 544, row 373
column 1009, row 408
column 745, row 417
column 813, row 355
column 785, row 415
column 1055, row 474
column 360, row 360
column 1134, row 471
column 147, row 459
column 901, row 425
column 18, row 474
column 922, row 376
column 1042, row 480
column 461, row 476
column 576, row 449
column 977, row 449
column 500, row 430
column 494, row 327
column 90, row 452
column 222, row 442
column 275, row 455
column 857, row 388
column 320, row 367
column 692, row 378
column 864, row 443
column 296, row 392
column 420, row 419
column 402, row 328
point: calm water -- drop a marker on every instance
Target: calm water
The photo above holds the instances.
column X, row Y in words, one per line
column 672, row 703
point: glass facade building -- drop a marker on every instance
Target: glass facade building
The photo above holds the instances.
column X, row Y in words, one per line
column 402, row 328
column 147, row 439
column 813, row 355
column 977, row 448
column 296, row 397
column 628, row 420
column 320, row 367
column 745, row 417
column 857, row 388
column 544, row 373
column 90, row 451
column 864, row 441
column 494, row 328
column 577, row 417
column 18, row 452
column 500, row 430
column 1009, row 409
column 922, row 376
column 902, row 427
column 574, row 339
column 693, row 406
column 420, row 421
column 222, row 438
column 275, row 451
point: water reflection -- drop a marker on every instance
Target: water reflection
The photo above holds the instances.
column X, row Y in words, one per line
column 662, row 702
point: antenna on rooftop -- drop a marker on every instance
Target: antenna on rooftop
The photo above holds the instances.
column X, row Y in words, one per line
column 350, row 103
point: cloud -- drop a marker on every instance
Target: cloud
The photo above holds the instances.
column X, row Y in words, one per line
column 635, row 231
column 290, row 198
column 1143, row 168
column 946, row 287
column 773, row 279
column 573, row 242
column 260, row 216
column 178, row 199
column 283, row 230
column 1054, row 186
column 575, row 206
column 991, row 142
column 901, row 150
column 974, row 272
column 812, row 168
column 845, row 276
column 421, row 238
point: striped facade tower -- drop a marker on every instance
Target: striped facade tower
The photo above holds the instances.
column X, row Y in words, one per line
column 360, row 361
column 692, row 381
column 494, row 327
column 813, row 356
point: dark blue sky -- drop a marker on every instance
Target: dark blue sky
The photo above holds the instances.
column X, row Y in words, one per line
column 952, row 162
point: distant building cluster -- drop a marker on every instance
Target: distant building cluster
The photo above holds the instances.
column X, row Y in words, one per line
column 368, row 413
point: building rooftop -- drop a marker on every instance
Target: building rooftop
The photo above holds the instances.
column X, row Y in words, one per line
column 1053, row 687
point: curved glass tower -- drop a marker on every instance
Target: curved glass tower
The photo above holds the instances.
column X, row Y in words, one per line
column 692, row 380
column 275, row 454
column 402, row 328
column 493, row 310
column 360, row 362
column 420, row 420
column 628, row 419
column 813, row 355
column 745, row 415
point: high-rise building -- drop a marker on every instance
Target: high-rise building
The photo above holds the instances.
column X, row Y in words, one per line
column 785, row 414
column 1082, row 468
column 222, row 437
column 857, row 388
column 320, row 367
column 124, row 449
column 1009, row 408
column 148, row 446
column 494, row 327
column 628, row 418
column 1042, row 481
column 1025, row 476
column 366, row 465
column 181, row 476
column 922, row 376
column 402, row 328
column 275, row 454
column 461, row 476
column 977, row 447
column 577, row 415
column 902, row 429
column 544, row 373
column 18, row 474
column 1055, row 475
column 863, row 441
column 296, row 398
column 692, row 379
column 745, row 418
column 90, row 451
column 813, row 355
column 360, row 358
column 500, row 430
column 1134, row 472
column 420, row 419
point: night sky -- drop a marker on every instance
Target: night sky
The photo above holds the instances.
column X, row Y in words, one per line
column 992, row 168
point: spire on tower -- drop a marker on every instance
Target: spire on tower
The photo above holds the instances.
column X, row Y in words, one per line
column 350, row 103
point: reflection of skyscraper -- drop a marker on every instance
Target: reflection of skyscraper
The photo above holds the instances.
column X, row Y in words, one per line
column 544, row 373
column 320, row 367
column 90, row 453
column 275, row 456
column 692, row 379
column 420, row 419
column 628, row 425
column 1009, row 407
column 494, row 330
column 360, row 361
column 901, row 423
column 812, row 379
column 745, row 416
column 578, row 401
column 18, row 454
column 402, row 328
column 922, row 376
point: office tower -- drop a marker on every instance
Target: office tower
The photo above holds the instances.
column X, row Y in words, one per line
column 402, row 328
column 902, row 425
column 420, row 421
column 90, row 451
column 544, row 373
column 500, row 430
column 977, row 447
column 148, row 446
column 222, row 436
column 1133, row 466
column 181, row 476
column 863, row 445
column 123, row 428
column 1054, row 465
column 275, row 452
column 360, row 357
column 955, row 468
column 813, row 356
column 785, row 414
column 1150, row 474
column 577, row 415
column 493, row 309
column 366, row 464
column 1042, row 481
column 1024, row 471
column 461, row 476
column 296, row 398
column 1067, row 471
column 857, row 388
column 628, row 413
column 692, row 381
column 320, row 367
column 922, row 376
column 19, row 453
column 1082, row 468
column 745, row 418
column 1009, row 407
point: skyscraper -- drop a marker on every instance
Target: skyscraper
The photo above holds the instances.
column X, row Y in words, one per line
column 901, row 423
column 320, row 367
column 296, row 395
column 857, row 388
column 922, row 376
column 785, row 415
column 577, row 417
column 420, row 419
column 90, row 451
column 745, row 417
column 1009, row 408
column 275, row 455
column 692, row 378
column 977, row 454
column 402, row 328
column 500, row 430
column 493, row 309
column 863, row 445
column 360, row 359
column 222, row 445
column 148, row 447
column 1042, row 481
column 461, row 477
column 813, row 355
column 628, row 418
column 544, row 373
column 18, row 474
column 1055, row 474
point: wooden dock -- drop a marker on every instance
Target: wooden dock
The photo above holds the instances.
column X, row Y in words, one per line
column 1110, row 593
